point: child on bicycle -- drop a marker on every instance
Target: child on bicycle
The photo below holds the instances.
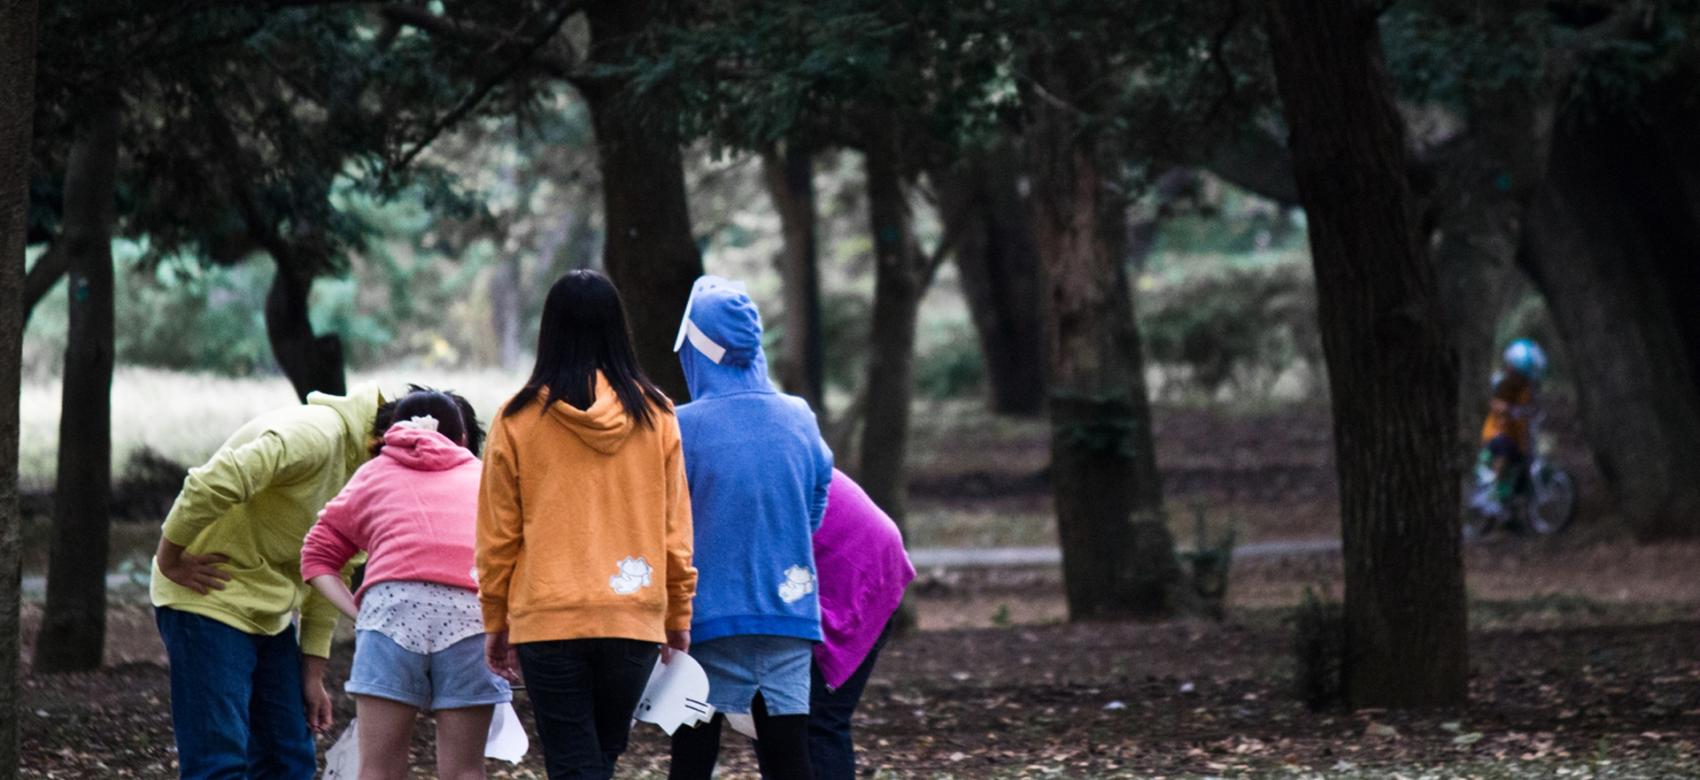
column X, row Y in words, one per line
column 1507, row 442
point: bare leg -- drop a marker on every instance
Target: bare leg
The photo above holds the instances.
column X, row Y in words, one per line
column 386, row 733
column 461, row 734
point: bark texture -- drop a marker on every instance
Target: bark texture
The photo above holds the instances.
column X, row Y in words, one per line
column 998, row 261
column 17, row 100
column 73, row 628
column 1611, row 243
column 901, row 276
column 649, row 251
column 1391, row 364
column 312, row 362
column 1118, row 555
column 789, row 174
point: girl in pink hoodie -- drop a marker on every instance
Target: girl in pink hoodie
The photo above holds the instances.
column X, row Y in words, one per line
column 419, row 635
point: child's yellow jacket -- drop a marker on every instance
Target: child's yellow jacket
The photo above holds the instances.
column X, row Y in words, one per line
column 254, row 502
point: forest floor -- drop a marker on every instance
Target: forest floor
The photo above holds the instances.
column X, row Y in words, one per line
column 1582, row 647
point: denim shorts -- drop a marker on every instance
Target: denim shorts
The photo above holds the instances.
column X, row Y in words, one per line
column 445, row 680
column 739, row 667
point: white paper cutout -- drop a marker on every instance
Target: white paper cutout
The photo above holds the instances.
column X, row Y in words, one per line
column 342, row 761
column 799, row 582
column 743, row 723
column 677, row 695
column 507, row 741
column 633, row 574
column 706, row 282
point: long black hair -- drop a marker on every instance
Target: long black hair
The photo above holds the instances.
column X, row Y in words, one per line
column 585, row 330
column 456, row 418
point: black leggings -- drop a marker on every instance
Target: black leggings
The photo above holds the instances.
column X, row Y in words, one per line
column 782, row 751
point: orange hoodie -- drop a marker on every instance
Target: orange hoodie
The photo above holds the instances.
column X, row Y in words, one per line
column 584, row 524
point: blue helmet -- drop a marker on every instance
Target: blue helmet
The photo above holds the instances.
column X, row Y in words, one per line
column 1527, row 358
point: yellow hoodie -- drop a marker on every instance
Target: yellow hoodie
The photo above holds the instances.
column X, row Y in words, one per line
column 254, row 503
column 584, row 524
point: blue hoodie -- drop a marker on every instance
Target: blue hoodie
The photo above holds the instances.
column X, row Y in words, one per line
column 758, row 472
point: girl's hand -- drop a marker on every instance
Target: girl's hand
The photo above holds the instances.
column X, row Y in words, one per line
column 337, row 593
column 313, row 694
column 501, row 657
column 198, row 573
column 677, row 642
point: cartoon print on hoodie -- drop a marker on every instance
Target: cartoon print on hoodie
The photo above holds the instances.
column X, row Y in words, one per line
column 798, row 583
column 633, row 574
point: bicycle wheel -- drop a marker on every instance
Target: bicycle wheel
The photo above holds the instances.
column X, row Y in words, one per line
column 1552, row 500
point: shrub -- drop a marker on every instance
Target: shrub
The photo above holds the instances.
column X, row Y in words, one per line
column 1319, row 650
column 1237, row 329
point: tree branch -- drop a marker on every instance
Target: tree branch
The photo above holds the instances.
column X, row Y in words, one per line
column 46, row 272
column 474, row 34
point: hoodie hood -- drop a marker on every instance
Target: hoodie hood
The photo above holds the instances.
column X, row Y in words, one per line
column 423, row 450
column 719, row 341
column 603, row 427
column 357, row 410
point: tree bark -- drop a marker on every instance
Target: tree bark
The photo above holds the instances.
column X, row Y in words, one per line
column 998, row 262
column 900, row 280
column 313, row 363
column 1392, row 369
column 1611, row 243
column 17, row 100
column 1118, row 555
column 650, row 252
column 73, row 628
column 790, row 177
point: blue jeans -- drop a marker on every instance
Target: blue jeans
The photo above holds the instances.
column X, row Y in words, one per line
column 236, row 705
column 831, row 749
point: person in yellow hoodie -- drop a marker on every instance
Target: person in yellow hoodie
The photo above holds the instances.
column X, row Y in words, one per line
column 227, row 584
column 584, row 531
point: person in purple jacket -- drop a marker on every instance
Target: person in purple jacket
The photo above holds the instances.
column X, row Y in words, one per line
column 862, row 571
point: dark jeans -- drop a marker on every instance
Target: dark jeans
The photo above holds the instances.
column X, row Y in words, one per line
column 236, row 706
column 583, row 692
column 782, row 752
column 830, row 748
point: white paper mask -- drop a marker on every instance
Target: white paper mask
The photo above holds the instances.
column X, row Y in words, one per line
column 677, row 695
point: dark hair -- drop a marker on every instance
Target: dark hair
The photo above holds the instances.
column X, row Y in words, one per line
column 455, row 416
column 585, row 330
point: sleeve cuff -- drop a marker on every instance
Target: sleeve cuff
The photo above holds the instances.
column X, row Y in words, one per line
column 319, row 569
column 495, row 617
column 316, row 637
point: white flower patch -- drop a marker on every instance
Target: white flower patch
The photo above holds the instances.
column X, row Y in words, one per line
column 799, row 582
column 633, row 574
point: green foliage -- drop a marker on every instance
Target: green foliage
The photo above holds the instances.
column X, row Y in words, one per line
column 1235, row 327
column 1319, row 650
column 951, row 366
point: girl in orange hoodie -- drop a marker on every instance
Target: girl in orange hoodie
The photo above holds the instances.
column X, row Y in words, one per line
column 584, row 531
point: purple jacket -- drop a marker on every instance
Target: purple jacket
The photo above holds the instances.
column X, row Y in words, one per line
column 862, row 570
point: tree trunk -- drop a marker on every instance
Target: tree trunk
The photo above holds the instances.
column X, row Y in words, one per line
column 17, row 97
column 1603, row 240
column 1118, row 554
column 649, row 252
column 790, row 177
column 899, row 282
column 312, row 362
column 73, row 627
column 999, row 265
column 1391, row 366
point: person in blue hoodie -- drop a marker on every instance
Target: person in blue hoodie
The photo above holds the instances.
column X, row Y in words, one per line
column 758, row 472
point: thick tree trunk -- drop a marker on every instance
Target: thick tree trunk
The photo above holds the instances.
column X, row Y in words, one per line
column 649, row 252
column 1611, row 242
column 1118, row 554
column 17, row 97
column 73, row 628
column 998, row 262
column 312, row 362
column 790, row 177
column 900, row 280
column 1392, row 369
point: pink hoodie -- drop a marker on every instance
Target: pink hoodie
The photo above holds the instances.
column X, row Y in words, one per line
column 413, row 509
column 862, row 570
